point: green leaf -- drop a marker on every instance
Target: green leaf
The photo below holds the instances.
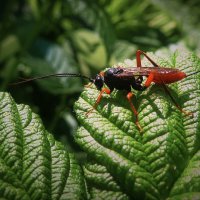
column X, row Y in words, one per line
column 9, row 46
column 155, row 164
column 98, row 176
column 188, row 22
column 49, row 58
column 32, row 164
column 95, row 17
column 122, row 51
column 188, row 184
column 91, row 48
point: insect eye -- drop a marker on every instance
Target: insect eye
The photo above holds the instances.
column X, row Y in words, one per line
column 99, row 82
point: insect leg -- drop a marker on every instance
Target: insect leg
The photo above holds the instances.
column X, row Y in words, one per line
column 129, row 97
column 174, row 101
column 138, row 58
column 149, row 80
column 104, row 90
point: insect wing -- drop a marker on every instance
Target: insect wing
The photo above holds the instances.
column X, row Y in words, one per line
column 133, row 71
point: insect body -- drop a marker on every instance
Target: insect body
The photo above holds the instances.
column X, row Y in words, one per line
column 126, row 78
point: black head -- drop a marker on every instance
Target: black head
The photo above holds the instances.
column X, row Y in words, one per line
column 99, row 81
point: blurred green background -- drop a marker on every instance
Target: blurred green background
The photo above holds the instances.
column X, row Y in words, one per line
column 39, row 37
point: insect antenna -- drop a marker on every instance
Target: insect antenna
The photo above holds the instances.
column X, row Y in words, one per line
column 53, row 75
column 193, row 73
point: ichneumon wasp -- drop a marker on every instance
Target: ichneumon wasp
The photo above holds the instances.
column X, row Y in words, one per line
column 121, row 78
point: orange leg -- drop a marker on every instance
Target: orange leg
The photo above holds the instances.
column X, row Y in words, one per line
column 129, row 97
column 148, row 83
column 138, row 59
column 104, row 90
column 149, row 80
column 151, row 76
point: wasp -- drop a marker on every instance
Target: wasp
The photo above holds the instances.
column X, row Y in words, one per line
column 121, row 78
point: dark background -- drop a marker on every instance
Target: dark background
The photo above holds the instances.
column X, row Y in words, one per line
column 39, row 37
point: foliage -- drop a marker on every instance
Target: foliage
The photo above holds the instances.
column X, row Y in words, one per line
column 161, row 162
column 42, row 37
column 84, row 36
column 32, row 164
column 187, row 17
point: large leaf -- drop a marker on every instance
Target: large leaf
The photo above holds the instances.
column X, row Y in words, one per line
column 163, row 160
column 32, row 164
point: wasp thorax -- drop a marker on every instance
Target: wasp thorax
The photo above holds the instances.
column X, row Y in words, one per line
column 110, row 72
column 113, row 71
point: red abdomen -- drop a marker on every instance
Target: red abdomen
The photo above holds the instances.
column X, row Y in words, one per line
column 167, row 75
